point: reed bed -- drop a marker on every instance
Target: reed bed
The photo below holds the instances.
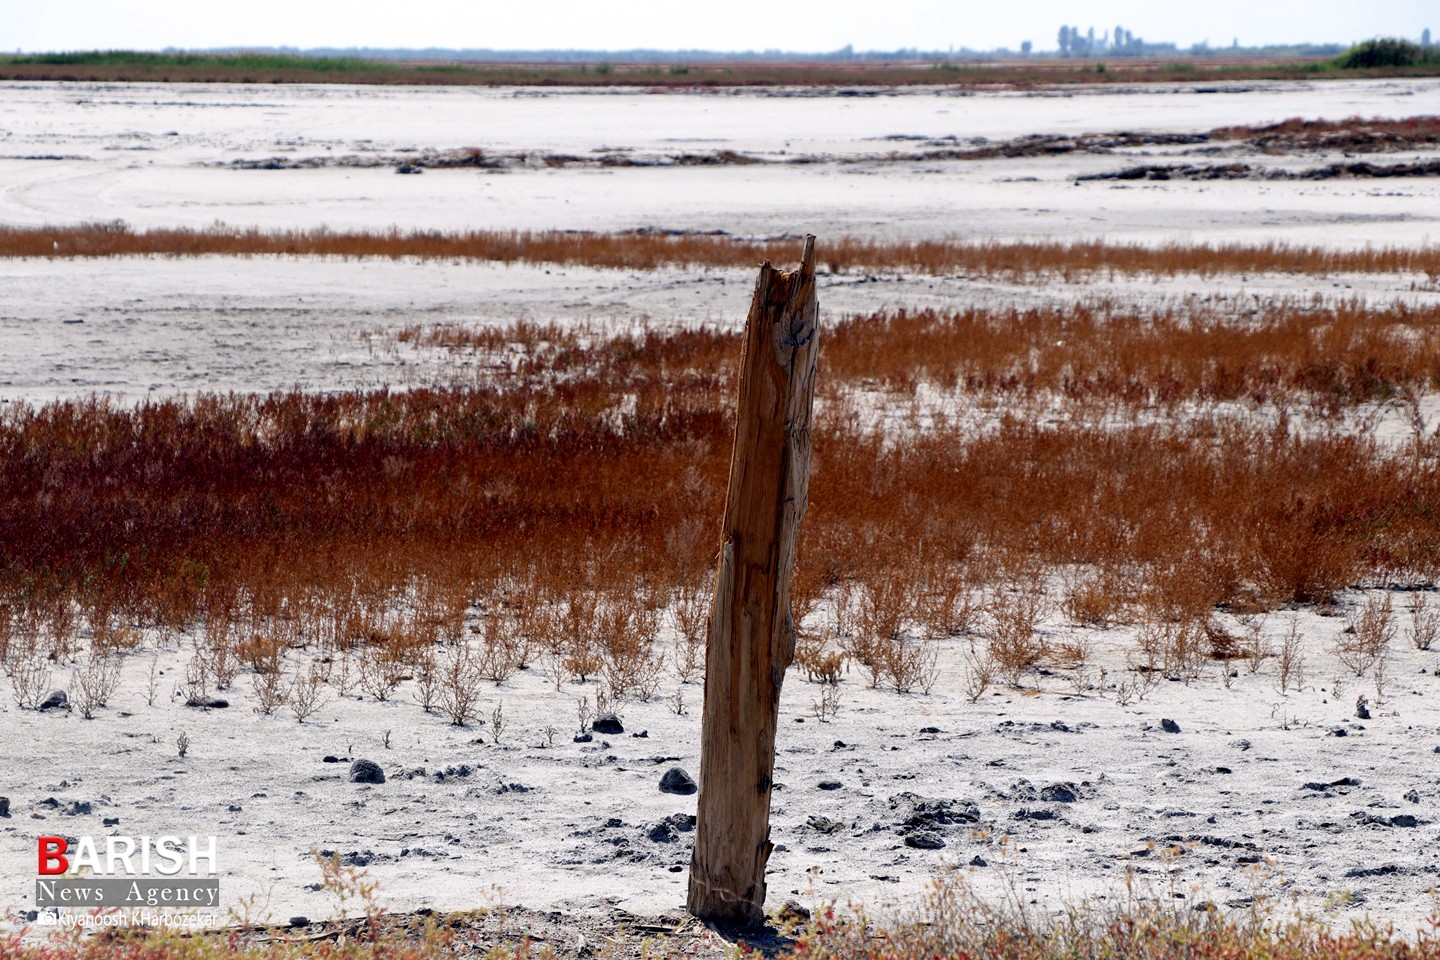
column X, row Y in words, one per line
column 1011, row 260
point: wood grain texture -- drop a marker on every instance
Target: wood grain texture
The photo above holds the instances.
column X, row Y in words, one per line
column 752, row 637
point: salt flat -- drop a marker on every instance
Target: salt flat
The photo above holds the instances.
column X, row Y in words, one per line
column 1257, row 797
column 147, row 154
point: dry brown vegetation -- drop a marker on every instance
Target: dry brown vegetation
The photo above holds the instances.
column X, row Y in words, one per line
column 1321, row 358
column 1013, row 260
column 552, row 510
column 1354, row 133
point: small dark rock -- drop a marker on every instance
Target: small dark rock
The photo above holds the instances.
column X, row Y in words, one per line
column 642, row 735
column 4, row 806
column 607, row 723
column 331, row 758
column 677, row 780
column 56, row 700
column 1384, row 871
column 299, row 921
column 110, row 822
column 979, row 861
column 208, row 703
column 1404, row 820
column 930, row 730
column 1241, row 745
column 1060, row 793
column 1413, row 796
column 1059, row 726
column 1169, row 726
column 409, row 168
column 1339, row 732
column 234, row 808
column 583, row 738
column 924, row 840
column 669, row 829
column 1038, row 814
column 830, row 784
column 923, row 813
column 80, row 808
column 366, row 771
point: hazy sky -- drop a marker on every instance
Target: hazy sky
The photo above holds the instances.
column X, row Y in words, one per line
column 732, row 25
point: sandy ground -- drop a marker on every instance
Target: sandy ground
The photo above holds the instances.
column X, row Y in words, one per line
column 1057, row 792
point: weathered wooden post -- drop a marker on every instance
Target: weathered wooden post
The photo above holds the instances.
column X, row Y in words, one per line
column 752, row 637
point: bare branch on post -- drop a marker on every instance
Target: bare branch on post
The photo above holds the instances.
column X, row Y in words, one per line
column 752, row 636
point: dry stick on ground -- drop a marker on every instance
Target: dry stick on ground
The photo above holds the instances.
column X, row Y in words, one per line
column 752, row 636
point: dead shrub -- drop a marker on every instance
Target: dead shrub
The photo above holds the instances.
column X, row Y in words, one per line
column 578, row 635
column 502, row 648
column 261, row 652
column 1424, row 622
column 1291, row 660
column 459, row 682
column 92, row 686
column 1015, row 643
column 910, row 662
column 427, row 682
column 691, row 613
column 631, row 667
column 30, row 681
column 816, row 660
column 1095, row 601
column 307, row 693
column 271, row 691
column 379, row 672
column 1367, row 635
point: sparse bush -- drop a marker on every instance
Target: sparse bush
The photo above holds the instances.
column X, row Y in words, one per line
column 819, row 663
column 502, row 648
column 1291, row 659
column 30, row 681
column 93, row 685
column 307, row 692
column 459, row 682
column 1367, row 636
column 691, row 612
column 1424, row 622
column 271, row 692
column 380, row 672
column 1015, row 644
